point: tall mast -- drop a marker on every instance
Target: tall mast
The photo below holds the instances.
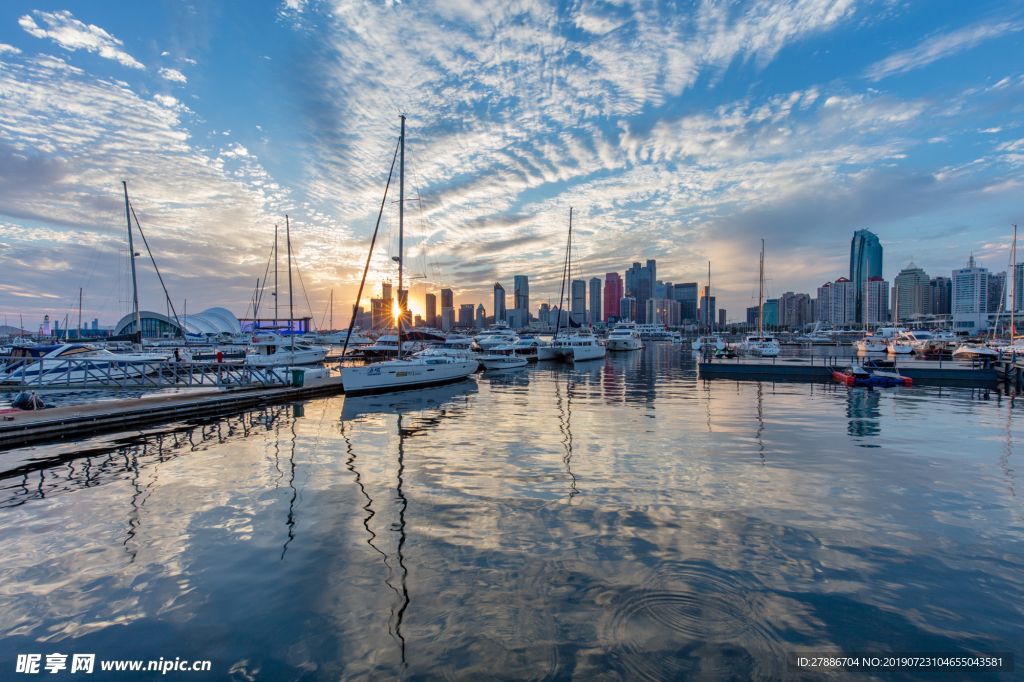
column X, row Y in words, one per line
column 79, row 313
column 332, row 310
column 275, row 274
column 568, row 257
column 760, row 295
column 401, row 227
column 1013, row 281
column 291, row 313
column 711, row 311
column 131, row 249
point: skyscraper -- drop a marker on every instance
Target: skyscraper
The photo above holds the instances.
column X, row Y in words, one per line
column 466, row 311
column 843, row 306
column 521, row 293
column 996, row 291
column 640, row 282
column 914, row 289
column 447, row 298
column 876, row 301
column 612, row 293
column 431, row 312
column 481, row 316
column 941, row 290
column 865, row 263
column 686, row 294
column 578, row 309
column 595, row 300
column 499, row 303
column 970, row 299
column 627, row 309
column 707, row 307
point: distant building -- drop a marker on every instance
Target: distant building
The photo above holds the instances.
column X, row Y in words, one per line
column 380, row 312
column 942, row 289
column 544, row 316
column 823, row 308
column 595, row 300
column 914, row 290
column 794, row 309
column 466, row 315
column 865, row 263
column 663, row 311
column 578, row 307
column 1018, row 286
column 521, row 292
column 499, row 302
column 431, row 312
column 686, row 294
column 417, row 321
column 969, row 299
column 753, row 312
column 706, row 312
column 518, row 318
column 447, row 318
column 640, row 282
column 403, row 306
column 721, row 317
column 843, row 306
column 612, row 293
column 627, row 309
column 876, row 301
column 447, row 299
column 481, row 316
column 997, row 292
column 771, row 312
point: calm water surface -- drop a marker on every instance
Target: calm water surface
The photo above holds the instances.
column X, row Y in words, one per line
column 615, row 520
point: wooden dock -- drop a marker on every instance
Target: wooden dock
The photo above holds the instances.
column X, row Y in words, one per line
column 78, row 421
column 922, row 372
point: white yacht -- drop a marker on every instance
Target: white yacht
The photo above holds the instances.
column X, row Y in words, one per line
column 503, row 361
column 975, row 351
column 654, row 332
column 872, row 344
column 359, row 338
column 386, row 346
column 525, row 346
column 573, row 348
column 459, row 347
column 714, row 341
column 765, row 346
column 491, row 338
column 72, row 363
column 270, row 349
column 899, row 346
column 624, row 336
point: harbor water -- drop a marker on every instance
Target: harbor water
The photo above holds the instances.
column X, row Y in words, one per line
column 619, row 519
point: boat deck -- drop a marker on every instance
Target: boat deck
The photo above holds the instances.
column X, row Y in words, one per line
column 923, row 372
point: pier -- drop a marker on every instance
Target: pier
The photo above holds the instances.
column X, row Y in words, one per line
column 77, row 421
column 922, row 372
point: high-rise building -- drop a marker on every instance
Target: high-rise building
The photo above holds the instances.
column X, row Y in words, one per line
column 969, row 298
column 403, row 306
column 612, row 293
column 640, row 282
column 1018, row 286
column 544, row 315
column 447, row 317
column 942, row 288
column 721, row 317
column 578, row 308
column 843, row 305
column 914, row 291
column 663, row 311
column 876, row 301
column 521, row 292
column 595, row 300
column 771, row 312
column 706, row 312
column 794, row 309
column 499, row 303
column 431, row 312
column 417, row 321
column 996, row 292
column 380, row 313
column 466, row 311
column 659, row 290
column 481, row 316
column 686, row 294
column 753, row 312
column 447, row 299
column 627, row 309
column 865, row 263
column 823, row 307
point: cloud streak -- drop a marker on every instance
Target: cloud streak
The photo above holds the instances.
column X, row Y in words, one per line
column 72, row 34
column 939, row 47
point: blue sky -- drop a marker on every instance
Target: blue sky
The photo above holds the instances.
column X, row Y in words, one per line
column 684, row 132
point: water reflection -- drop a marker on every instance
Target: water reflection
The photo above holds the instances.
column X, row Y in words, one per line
column 863, row 412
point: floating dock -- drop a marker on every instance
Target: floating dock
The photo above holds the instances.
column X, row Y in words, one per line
column 78, row 421
column 922, row 372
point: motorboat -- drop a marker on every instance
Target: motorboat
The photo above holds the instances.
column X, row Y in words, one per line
column 654, row 332
column 624, row 336
column 495, row 337
column 386, row 345
column 524, row 346
column 460, row 347
column 358, row 338
column 269, row 349
column 677, row 337
column 975, row 351
column 72, row 363
column 885, row 369
column 856, row 375
column 872, row 344
column 575, row 348
column 714, row 341
column 503, row 361
column 765, row 346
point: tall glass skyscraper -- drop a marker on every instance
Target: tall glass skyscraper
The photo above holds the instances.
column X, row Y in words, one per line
column 865, row 263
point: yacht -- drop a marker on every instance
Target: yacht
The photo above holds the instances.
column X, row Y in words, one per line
column 573, row 348
column 418, row 370
column 503, row 361
column 764, row 345
column 455, row 347
column 72, row 363
column 714, row 341
column 386, row 346
column 624, row 336
column 358, row 338
column 654, row 332
column 495, row 337
column 525, row 346
column 899, row 346
column 975, row 351
column 270, row 349
column 872, row 344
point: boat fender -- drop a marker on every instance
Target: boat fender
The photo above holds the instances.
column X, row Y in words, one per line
column 28, row 401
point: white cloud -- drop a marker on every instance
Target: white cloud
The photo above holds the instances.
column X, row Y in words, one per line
column 165, row 100
column 72, row 34
column 938, row 47
column 172, row 75
column 9, row 48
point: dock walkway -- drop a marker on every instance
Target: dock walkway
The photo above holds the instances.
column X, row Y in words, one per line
column 922, row 372
column 77, row 421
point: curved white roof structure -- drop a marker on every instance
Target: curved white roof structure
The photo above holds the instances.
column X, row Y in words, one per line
column 210, row 322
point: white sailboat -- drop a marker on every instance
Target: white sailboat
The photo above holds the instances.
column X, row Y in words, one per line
column 417, row 370
column 764, row 345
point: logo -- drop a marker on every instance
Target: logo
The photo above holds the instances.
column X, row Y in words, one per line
column 373, row 372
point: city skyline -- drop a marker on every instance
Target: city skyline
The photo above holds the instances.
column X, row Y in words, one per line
column 798, row 122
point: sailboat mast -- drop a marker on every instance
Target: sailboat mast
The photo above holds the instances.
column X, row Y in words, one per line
column 401, row 234
column 291, row 313
column 332, row 310
column 275, row 275
column 760, row 294
column 79, row 312
column 1013, row 282
column 711, row 311
column 131, row 250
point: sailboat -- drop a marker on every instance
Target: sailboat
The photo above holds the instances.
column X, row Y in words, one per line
column 572, row 346
column 408, row 372
column 764, row 345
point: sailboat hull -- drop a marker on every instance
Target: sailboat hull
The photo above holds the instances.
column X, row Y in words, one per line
column 397, row 375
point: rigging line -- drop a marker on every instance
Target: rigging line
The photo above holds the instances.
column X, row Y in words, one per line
column 295, row 493
column 303, row 287
column 359, row 295
column 259, row 298
column 368, row 507
column 402, row 538
column 150, row 251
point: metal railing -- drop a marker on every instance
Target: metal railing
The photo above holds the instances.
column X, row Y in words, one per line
column 113, row 373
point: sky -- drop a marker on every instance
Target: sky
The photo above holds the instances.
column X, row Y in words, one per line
column 686, row 132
